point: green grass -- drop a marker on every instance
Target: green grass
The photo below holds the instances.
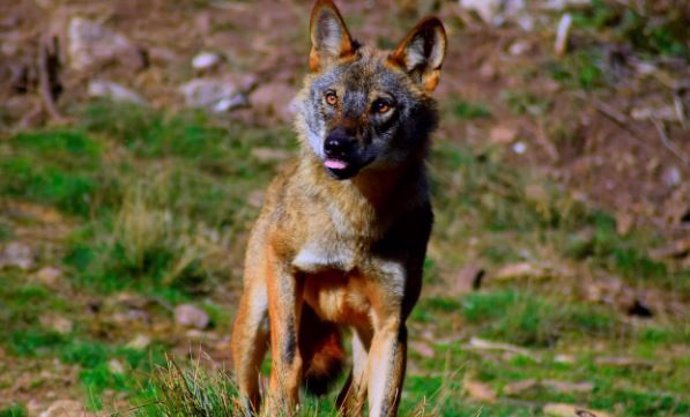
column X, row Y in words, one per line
column 466, row 110
column 14, row 410
column 655, row 31
column 159, row 207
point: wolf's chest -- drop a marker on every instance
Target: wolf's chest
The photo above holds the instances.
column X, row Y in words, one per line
column 317, row 256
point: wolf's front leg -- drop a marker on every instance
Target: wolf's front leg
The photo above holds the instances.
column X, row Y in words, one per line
column 386, row 367
column 250, row 340
column 284, row 309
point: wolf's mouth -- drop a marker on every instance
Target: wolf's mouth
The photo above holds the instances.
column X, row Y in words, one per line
column 335, row 164
column 342, row 170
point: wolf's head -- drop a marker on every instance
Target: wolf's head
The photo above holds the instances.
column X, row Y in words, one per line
column 365, row 109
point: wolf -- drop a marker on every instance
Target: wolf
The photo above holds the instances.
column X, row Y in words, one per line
column 342, row 235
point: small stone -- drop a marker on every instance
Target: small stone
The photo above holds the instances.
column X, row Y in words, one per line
column 189, row 315
column 520, row 270
column 488, row 72
column 49, row 276
column 17, row 255
column 519, row 387
column 519, row 48
column 91, row 44
column 671, row 176
column 519, row 148
column 468, row 278
column 503, row 135
column 56, row 323
column 205, row 60
column 569, row 410
column 263, row 154
column 114, row 91
column 479, row 391
column 140, row 342
column 422, row 348
column 665, row 113
column 115, row 366
column 217, row 94
column 568, row 387
column 564, row 358
column 65, row 408
column 624, row 223
column 274, row 99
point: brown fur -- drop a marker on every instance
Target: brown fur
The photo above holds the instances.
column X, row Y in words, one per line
column 326, row 253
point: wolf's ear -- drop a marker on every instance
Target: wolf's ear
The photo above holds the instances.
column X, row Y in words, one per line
column 422, row 51
column 330, row 39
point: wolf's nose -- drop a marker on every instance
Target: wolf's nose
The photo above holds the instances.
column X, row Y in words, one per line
column 338, row 144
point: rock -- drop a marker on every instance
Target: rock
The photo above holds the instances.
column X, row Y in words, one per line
column 56, row 323
column 568, row 410
column 519, row 48
column 17, row 255
column 422, row 348
column 90, row 44
column 519, row 387
column 560, row 5
column 468, row 278
column 488, row 71
column 623, row 361
column 481, row 344
column 114, row 91
column 478, row 391
column 49, row 276
column 675, row 250
column 499, row 12
column 520, row 270
column 115, row 366
column 519, row 148
column 503, row 135
column 568, row 387
column 274, row 99
column 216, row 94
column 263, row 154
column 624, row 223
column 65, row 408
column 191, row 316
column 671, row 176
column 664, row 113
column 140, row 342
column 205, row 60
column 564, row 358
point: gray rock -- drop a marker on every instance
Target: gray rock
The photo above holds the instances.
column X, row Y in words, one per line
column 205, row 60
column 191, row 316
column 114, row 91
column 17, row 255
column 216, row 94
column 91, row 44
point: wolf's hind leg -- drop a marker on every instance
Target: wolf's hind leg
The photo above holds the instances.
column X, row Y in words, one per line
column 249, row 342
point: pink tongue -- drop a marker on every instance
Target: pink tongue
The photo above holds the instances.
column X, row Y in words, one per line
column 335, row 164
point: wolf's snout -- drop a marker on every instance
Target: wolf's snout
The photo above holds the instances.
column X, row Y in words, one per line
column 338, row 144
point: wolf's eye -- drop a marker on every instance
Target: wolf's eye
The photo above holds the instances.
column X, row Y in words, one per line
column 381, row 106
column 331, row 98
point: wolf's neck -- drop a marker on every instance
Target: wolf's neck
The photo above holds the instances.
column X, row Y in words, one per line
column 380, row 192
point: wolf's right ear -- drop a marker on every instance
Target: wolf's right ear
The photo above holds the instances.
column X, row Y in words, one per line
column 330, row 39
column 422, row 51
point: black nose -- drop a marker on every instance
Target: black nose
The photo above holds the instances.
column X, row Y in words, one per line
column 338, row 144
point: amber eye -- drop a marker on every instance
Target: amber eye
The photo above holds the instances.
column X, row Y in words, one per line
column 381, row 106
column 331, row 98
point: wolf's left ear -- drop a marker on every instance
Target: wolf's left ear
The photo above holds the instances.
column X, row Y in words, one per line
column 330, row 39
column 422, row 51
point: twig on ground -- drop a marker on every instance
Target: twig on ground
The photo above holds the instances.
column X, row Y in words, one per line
column 666, row 141
column 49, row 85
